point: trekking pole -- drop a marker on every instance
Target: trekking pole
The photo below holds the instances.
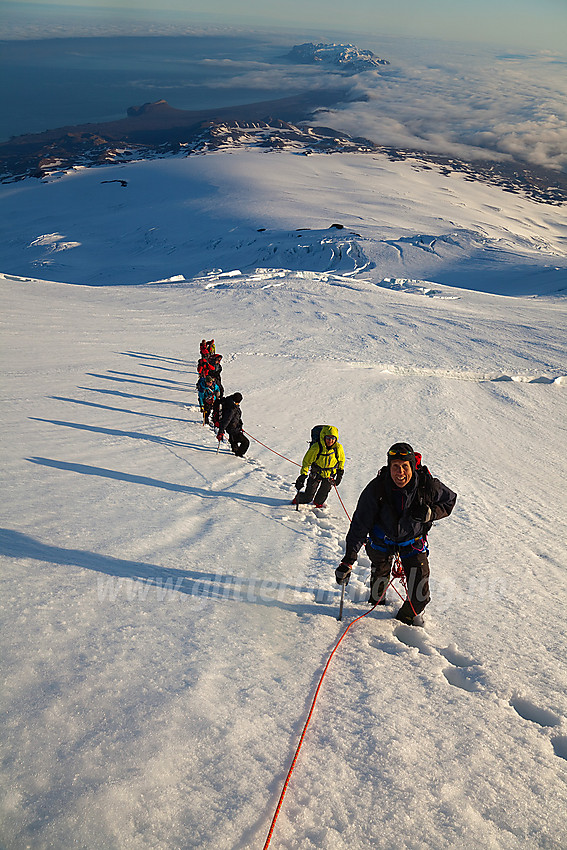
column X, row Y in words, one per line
column 339, row 618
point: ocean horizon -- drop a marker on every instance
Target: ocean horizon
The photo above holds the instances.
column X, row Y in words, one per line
column 56, row 82
column 469, row 101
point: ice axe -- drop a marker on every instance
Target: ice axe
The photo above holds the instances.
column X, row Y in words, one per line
column 339, row 618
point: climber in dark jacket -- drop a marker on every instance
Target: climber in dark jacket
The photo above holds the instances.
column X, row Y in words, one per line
column 216, row 370
column 394, row 514
column 231, row 422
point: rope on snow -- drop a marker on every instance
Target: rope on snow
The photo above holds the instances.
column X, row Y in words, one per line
column 295, row 464
column 397, row 572
column 290, row 771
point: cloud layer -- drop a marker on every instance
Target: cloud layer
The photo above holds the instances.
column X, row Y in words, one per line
column 475, row 106
column 478, row 105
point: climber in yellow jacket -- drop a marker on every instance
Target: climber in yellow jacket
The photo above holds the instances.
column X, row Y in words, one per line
column 323, row 466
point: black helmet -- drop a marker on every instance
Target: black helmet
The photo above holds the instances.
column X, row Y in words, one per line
column 402, row 451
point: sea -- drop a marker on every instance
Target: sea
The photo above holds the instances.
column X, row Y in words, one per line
column 49, row 83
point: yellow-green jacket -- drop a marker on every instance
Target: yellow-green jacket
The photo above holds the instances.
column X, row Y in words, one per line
column 324, row 461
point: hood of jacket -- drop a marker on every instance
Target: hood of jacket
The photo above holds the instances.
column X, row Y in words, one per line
column 328, row 431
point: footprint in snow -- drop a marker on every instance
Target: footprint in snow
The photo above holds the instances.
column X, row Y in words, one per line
column 253, row 462
column 456, row 658
column 386, row 645
column 559, row 745
column 325, row 520
column 545, row 718
column 414, row 638
column 467, row 674
column 467, row 679
column 463, row 672
column 530, row 711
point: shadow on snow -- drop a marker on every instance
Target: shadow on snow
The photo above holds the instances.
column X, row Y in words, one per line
column 167, row 582
column 117, row 432
column 130, row 478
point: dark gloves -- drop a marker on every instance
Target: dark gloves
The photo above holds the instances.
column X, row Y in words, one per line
column 300, row 482
column 342, row 573
column 338, row 477
column 220, row 436
column 422, row 513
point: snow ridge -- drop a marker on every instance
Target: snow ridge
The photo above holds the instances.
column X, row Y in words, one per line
column 346, row 57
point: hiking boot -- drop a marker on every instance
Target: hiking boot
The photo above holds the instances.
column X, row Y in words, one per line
column 322, row 505
column 294, row 501
column 406, row 615
column 382, row 601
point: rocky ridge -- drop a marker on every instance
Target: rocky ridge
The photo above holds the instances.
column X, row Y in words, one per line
column 161, row 134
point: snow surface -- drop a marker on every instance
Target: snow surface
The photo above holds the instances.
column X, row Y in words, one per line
column 166, row 614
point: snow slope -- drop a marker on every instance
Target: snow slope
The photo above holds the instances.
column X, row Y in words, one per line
column 247, row 209
column 166, row 614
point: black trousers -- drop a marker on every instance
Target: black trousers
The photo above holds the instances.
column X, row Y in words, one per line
column 415, row 565
column 239, row 443
column 316, row 490
column 207, row 410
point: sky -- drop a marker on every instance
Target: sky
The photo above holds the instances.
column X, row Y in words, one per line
column 535, row 23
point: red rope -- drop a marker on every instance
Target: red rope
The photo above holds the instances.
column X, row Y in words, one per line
column 271, row 450
column 290, row 771
column 342, row 503
column 398, row 572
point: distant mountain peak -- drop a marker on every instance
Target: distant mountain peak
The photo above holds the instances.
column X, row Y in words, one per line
column 346, row 57
column 158, row 107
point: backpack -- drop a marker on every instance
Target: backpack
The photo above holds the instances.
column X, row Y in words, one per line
column 424, row 480
column 226, row 404
column 204, row 367
column 315, row 434
column 209, row 395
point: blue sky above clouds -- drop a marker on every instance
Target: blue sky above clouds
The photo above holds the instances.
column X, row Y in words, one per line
column 529, row 23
